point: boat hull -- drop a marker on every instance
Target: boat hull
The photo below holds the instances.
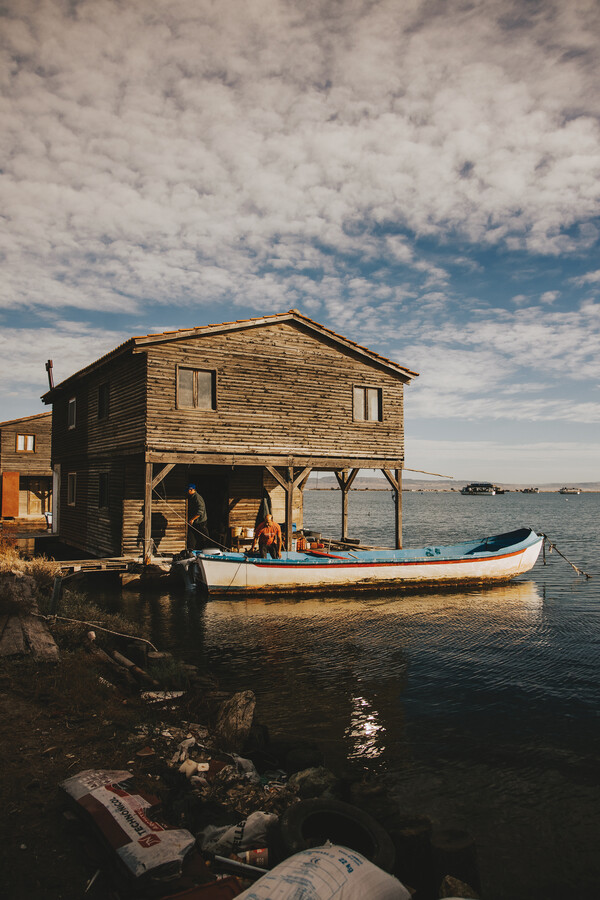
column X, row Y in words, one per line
column 491, row 560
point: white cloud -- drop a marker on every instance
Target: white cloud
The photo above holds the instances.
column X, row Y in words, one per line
column 548, row 297
column 588, row 278
column 145, row 143
column 72, row 345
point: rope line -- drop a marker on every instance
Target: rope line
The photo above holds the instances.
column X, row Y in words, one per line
column 189, row 524
column 551, row 547
column 130, row 637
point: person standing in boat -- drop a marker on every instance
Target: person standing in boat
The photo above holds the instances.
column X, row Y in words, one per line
column 268, row 538
column 197, row 520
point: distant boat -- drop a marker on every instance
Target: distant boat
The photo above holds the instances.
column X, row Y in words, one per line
column 488, row 560
column 530, row 490
column 480, row 489
column 569, row 490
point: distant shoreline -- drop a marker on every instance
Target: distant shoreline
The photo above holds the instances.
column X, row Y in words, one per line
column 413, row 490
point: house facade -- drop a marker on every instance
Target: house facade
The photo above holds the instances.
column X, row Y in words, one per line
column 25, row 467
column 245, row 410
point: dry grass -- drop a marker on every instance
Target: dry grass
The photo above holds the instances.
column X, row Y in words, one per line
column 42, row 570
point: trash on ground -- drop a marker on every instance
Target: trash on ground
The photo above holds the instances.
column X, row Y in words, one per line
column 160, row 696
column 324, row 872
column 249, row 834
column 121, row 815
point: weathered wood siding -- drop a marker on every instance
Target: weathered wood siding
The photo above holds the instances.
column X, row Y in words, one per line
column 121, row 432
column 280, row 390
column 169, row 504
column 246, row 486
column 98, row 445
column 26, row 462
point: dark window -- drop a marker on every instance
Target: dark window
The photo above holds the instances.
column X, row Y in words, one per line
column 26, row 443
column 367, row 404
column 196, row 389
column 103, row 400
column 71, row 488
column 103, row 490
column 71, row 415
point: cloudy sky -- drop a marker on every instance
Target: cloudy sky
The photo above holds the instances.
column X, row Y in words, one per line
column 421, row 176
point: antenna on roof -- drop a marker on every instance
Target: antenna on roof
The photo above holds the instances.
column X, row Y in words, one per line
column 50, row 375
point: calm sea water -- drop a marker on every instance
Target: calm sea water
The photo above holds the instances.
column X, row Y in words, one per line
column 480, row 708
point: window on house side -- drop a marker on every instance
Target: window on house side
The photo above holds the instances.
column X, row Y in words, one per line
column 71, row 414
column 26, row 443
column 367, row 404
column 103, row 401
column 103, row 490
column 196, row 389
column 71, row 488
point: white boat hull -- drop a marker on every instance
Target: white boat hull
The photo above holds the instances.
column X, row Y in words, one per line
column 231, row 572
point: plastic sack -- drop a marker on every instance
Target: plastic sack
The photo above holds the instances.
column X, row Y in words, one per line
column 331, row 871
column 121, row 815
column 246, row 835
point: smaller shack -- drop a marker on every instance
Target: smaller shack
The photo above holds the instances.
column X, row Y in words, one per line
column 25, row 467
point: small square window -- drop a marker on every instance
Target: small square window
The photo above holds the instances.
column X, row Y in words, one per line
column 367, row 404
column 103, row 401
column 26, row 443
column 196, row 389
column 103, row 490
column 71, row 488
column 71, row 413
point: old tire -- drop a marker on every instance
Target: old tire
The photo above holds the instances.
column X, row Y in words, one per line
column 310, row 823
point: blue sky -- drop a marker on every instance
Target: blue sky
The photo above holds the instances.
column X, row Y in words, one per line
column 422, row 177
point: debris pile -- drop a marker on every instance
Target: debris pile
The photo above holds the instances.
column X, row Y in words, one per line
column 238, row 825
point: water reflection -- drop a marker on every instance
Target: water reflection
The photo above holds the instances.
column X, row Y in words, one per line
column 364, row 736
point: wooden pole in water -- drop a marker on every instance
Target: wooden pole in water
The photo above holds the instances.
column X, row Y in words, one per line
column 399, row 509
column 148, row 515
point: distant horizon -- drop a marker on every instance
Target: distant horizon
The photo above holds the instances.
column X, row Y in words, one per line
column 443, row 484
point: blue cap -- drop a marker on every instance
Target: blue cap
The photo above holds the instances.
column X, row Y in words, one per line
column 191, row 487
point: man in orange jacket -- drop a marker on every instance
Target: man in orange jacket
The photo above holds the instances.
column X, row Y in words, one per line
column 268, row 538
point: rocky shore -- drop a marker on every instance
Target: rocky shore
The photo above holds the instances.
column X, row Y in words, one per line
column 109, row 702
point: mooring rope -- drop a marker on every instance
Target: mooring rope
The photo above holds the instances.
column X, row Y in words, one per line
column 551, row 547
column 131, row 637
column 189, row 524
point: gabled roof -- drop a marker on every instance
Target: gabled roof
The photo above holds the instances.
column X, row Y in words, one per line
column 43, row 415
column 238, row 325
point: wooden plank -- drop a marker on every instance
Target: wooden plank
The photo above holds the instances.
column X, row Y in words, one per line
column 39, row 640
column 148, row 515
column 277, row 476
column 162, row 474
column 289, row 508
column 12, row 642
column 298, row 460
column 399, row 509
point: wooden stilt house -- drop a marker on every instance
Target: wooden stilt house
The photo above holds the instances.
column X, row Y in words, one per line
column 244, row 410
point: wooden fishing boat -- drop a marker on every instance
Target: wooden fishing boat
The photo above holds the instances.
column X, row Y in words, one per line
column 489, row 560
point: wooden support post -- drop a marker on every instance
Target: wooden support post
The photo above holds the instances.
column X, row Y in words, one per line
column 56, row 592
column 289, row 484
column 148, row 515
column 399, row 510
column 345, row 482
column 289, row 508
column 396, row 483
column 162, row 474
